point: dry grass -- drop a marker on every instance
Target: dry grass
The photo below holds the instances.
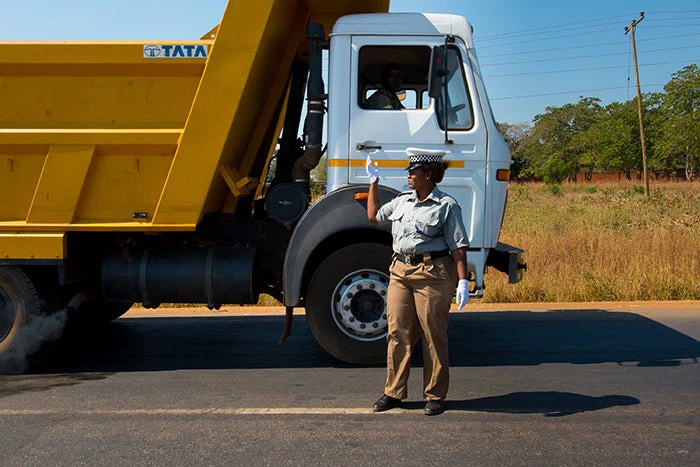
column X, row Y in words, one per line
column 599, row 242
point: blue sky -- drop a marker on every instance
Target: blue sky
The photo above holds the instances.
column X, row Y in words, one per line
column 533, row 54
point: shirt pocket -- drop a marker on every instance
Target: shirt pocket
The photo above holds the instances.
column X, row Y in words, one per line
column 429, row 226
column 397, row 214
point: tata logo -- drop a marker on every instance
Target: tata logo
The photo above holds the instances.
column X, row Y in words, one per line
column 150, row 51
column 175, row 51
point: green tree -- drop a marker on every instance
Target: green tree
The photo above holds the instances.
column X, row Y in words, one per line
column 552, row 151
column 612, row 142
column 679, row 142
column 584, row 135
column 518, row 137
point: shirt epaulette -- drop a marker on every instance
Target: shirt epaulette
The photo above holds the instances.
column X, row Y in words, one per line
column 449, row 197
column 443, row 197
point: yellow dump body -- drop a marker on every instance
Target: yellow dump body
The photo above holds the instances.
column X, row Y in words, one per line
column 107, row 136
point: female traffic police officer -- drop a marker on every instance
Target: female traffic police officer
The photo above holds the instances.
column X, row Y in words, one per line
column 429, row 243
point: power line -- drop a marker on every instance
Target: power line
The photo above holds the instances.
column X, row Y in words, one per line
column 551, row 50
column 681, row 18
column 578, row 57
column 674, row 26
column 673, row 11
column 522, row 31
column 554, row 33
column 677, row 36
column 582, row 91
column 513, row 35
column 549, row 38
column 611, row 67
column 597, row 20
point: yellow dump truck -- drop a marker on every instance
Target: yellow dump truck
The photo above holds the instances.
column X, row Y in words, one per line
column 158, row 172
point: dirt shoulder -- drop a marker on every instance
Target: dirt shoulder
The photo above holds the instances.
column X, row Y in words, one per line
column 687, row 305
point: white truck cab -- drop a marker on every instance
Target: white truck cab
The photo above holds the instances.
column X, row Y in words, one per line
column 361, row 45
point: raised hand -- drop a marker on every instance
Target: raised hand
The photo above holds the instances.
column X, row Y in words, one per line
column 372, row 169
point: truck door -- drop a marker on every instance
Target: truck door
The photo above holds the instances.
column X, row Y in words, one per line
column 385, row 134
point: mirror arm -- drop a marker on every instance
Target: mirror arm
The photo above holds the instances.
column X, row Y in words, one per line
column 448, row 40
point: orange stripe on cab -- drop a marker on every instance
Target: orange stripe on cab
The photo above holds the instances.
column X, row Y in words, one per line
column 394, row 164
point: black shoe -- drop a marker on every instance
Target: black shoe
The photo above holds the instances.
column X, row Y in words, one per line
column 385, row 403
column 435, row 407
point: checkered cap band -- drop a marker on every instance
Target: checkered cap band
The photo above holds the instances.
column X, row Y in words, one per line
column 424, row 158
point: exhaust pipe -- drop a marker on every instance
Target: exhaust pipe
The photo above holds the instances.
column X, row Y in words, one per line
column 313, row 125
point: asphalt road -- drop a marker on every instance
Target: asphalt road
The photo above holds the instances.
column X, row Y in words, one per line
column 586, row 384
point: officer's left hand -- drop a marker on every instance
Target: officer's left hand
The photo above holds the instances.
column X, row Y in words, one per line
column 462, row 293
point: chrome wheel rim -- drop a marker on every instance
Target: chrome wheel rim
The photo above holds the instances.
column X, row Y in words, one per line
column 359, row 304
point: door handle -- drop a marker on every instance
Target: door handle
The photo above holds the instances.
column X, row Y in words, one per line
column 365, row 147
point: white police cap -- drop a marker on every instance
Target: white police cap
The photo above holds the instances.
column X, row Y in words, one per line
column 418, row 157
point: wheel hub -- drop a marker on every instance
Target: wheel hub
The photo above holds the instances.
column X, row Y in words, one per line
column 359, row 305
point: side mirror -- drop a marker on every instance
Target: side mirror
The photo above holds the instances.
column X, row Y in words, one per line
column 436, row 76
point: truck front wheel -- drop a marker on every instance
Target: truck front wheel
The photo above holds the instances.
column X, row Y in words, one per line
column 19, row 301
column 346, row 303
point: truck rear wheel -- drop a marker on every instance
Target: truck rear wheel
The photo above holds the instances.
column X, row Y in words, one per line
column 346, row 303
column 19, row 301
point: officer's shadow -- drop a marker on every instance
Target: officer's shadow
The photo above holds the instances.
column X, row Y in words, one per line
column 548, row 403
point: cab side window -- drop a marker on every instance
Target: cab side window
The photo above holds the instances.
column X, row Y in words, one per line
column 393, row 77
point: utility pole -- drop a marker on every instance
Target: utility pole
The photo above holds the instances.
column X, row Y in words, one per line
column 630, row 29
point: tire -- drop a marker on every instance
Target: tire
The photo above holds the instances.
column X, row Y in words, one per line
column 346, row 303
column 19, row 302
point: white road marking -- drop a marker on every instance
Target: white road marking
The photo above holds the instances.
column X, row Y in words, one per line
column 205, row 411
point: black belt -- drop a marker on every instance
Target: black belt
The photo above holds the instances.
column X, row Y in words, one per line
column 414, row 260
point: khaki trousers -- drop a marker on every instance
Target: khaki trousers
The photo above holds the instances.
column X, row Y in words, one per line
column 418, row 305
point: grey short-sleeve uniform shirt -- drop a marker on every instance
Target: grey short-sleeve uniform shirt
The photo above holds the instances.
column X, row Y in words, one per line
column 418, row 227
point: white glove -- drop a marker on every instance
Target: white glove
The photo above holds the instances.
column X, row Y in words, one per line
column 372, row 169
column 462, row 293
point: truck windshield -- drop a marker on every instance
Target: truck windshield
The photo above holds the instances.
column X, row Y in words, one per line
column 459, row 110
